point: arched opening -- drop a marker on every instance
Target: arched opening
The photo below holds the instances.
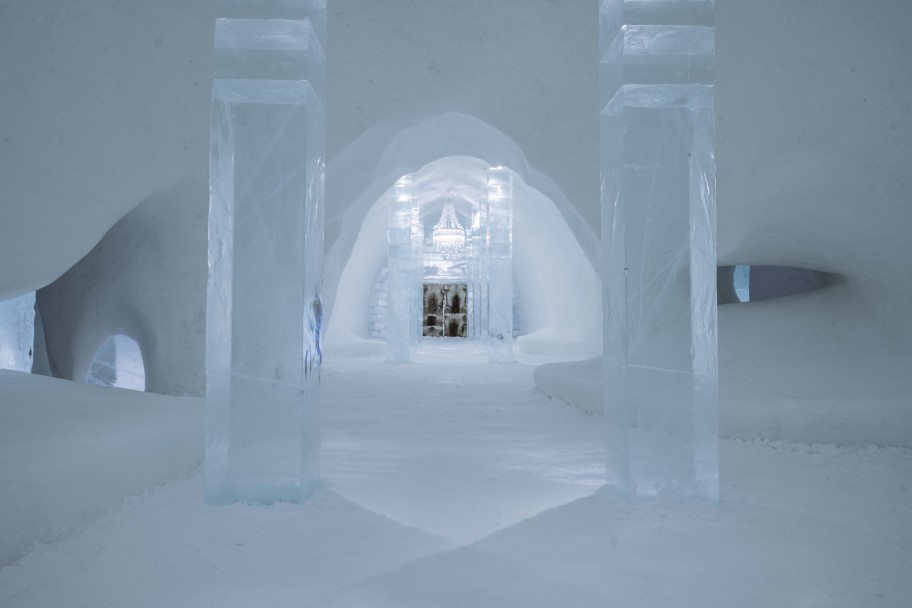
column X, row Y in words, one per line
column 118, row 362
column 556, row 288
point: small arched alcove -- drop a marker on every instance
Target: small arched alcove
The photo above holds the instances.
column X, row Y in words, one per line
column 118, row 362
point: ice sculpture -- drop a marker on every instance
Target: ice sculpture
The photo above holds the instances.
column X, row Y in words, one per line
column 17, row 332
column 659, row 247
column 500, row 263
column 404, row 297
column 264, row 311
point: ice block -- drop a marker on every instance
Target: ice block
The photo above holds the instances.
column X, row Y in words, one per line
column 313, row 11
column 659, row 248
column 477, row 252
column 405, row 267
column 264, row 310
column 500, row 263
column 270, row 49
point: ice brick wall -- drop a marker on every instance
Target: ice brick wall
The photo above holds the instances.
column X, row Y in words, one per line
column 264, row 314
column 659, row 247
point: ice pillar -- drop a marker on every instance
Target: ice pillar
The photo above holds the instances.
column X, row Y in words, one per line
column 477, row 242
column 659, row 247
column 500, row 263
column 404, row 297
column 264, row 311
column 17, row 332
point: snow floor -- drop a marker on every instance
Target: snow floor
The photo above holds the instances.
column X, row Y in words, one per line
column 450, row 482
column 69, row 452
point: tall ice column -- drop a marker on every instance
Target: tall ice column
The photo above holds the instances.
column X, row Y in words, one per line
column 404, row 300
column 500, row 263
column 659, row 247
column 264, row 311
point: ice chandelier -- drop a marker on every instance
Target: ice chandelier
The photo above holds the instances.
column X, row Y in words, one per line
column 449, row 235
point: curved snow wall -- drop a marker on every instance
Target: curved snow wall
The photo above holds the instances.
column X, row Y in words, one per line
column 146, row 280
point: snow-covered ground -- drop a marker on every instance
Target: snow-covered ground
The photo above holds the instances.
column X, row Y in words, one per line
column 71, row 451
column 455, row 483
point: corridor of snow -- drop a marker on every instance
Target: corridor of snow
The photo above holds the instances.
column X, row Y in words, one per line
column 449, row 482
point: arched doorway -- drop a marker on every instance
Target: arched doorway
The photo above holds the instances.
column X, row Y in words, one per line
column 118, row 362
column 556, row 289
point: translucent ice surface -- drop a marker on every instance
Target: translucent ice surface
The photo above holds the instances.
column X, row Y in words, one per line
column 658, row 213
column 500, row 263
column 655, row 42
column 404, row 295
column 269, row 49
column 313, row 11
column 17, row 332
column 477, row 271
column 264, row 317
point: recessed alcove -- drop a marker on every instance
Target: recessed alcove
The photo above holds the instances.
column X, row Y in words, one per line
column 118, row 362
column 750, row 283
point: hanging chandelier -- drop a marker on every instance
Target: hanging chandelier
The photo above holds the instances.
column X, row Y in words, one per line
column 449, row 235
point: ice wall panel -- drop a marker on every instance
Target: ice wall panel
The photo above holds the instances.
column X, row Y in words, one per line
column 405, row 270
column 17, row 332
column 416, row 328
column 658, row 213
column 311, row 10
column 500, row 263
column 478, row 272
column 264, row 313
column 270, row 49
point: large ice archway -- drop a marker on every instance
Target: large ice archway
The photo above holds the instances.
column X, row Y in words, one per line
column 557, row 288
column 358, row 177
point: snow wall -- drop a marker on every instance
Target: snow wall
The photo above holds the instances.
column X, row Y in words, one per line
column 146, row 280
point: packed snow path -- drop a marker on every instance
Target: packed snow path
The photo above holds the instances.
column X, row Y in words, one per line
column 457, row 449
column 422, row 458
